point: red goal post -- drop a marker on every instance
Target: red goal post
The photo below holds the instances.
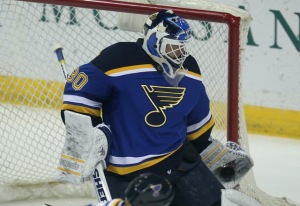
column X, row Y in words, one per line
column 31, row 83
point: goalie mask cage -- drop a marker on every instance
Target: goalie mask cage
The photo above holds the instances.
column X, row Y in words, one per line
column 31, row 83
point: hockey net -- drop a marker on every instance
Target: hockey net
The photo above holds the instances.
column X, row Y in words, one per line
column 31, row 83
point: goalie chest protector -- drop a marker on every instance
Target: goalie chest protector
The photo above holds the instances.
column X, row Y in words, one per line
column 149, row 118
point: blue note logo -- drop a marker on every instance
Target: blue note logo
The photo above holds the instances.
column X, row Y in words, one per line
column 162, row 98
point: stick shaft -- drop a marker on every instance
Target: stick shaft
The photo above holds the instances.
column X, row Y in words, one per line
column 61, row 61
column 100, row 184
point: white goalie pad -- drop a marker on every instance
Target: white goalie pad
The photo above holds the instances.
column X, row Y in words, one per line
column 85, row 146
column 229, row 162
column 233, row 197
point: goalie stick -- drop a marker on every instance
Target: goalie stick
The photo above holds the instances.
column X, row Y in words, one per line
column 57, row 48
column 100, row 184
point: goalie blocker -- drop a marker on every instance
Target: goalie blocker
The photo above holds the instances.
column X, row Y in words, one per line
column 85, row 147
column 84, row 153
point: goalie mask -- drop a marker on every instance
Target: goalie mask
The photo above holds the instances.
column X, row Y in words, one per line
column 167, row 41
column 149, row 190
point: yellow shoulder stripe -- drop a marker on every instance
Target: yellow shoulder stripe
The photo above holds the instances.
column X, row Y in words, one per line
column 122, row 69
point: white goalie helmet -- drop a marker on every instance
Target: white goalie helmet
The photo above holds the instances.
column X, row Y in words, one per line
column 168, row 42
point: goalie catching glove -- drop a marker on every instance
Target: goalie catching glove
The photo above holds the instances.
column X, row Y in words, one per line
column 85, row 147
column 229, row 162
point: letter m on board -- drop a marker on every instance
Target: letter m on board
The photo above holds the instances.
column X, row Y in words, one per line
column 57, row 11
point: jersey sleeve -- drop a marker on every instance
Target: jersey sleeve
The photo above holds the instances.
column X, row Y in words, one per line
column 86, row 89
column 200, row 120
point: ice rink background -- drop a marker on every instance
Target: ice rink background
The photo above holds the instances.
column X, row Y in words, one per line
column 276, row 170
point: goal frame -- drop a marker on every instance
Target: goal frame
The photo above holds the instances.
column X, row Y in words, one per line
column 232, row 22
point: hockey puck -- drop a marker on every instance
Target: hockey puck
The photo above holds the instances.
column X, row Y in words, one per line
column 227, row 173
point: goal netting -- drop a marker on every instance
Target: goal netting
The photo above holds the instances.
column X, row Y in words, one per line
column 31, row 82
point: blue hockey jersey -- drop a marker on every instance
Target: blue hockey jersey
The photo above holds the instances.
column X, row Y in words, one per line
column 150, row 119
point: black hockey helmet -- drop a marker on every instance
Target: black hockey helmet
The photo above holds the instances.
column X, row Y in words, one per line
column 149, row 190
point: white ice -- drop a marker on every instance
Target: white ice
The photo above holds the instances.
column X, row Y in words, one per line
column 276, row 170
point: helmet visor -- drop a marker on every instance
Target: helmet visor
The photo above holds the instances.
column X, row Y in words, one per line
column 176, row 51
